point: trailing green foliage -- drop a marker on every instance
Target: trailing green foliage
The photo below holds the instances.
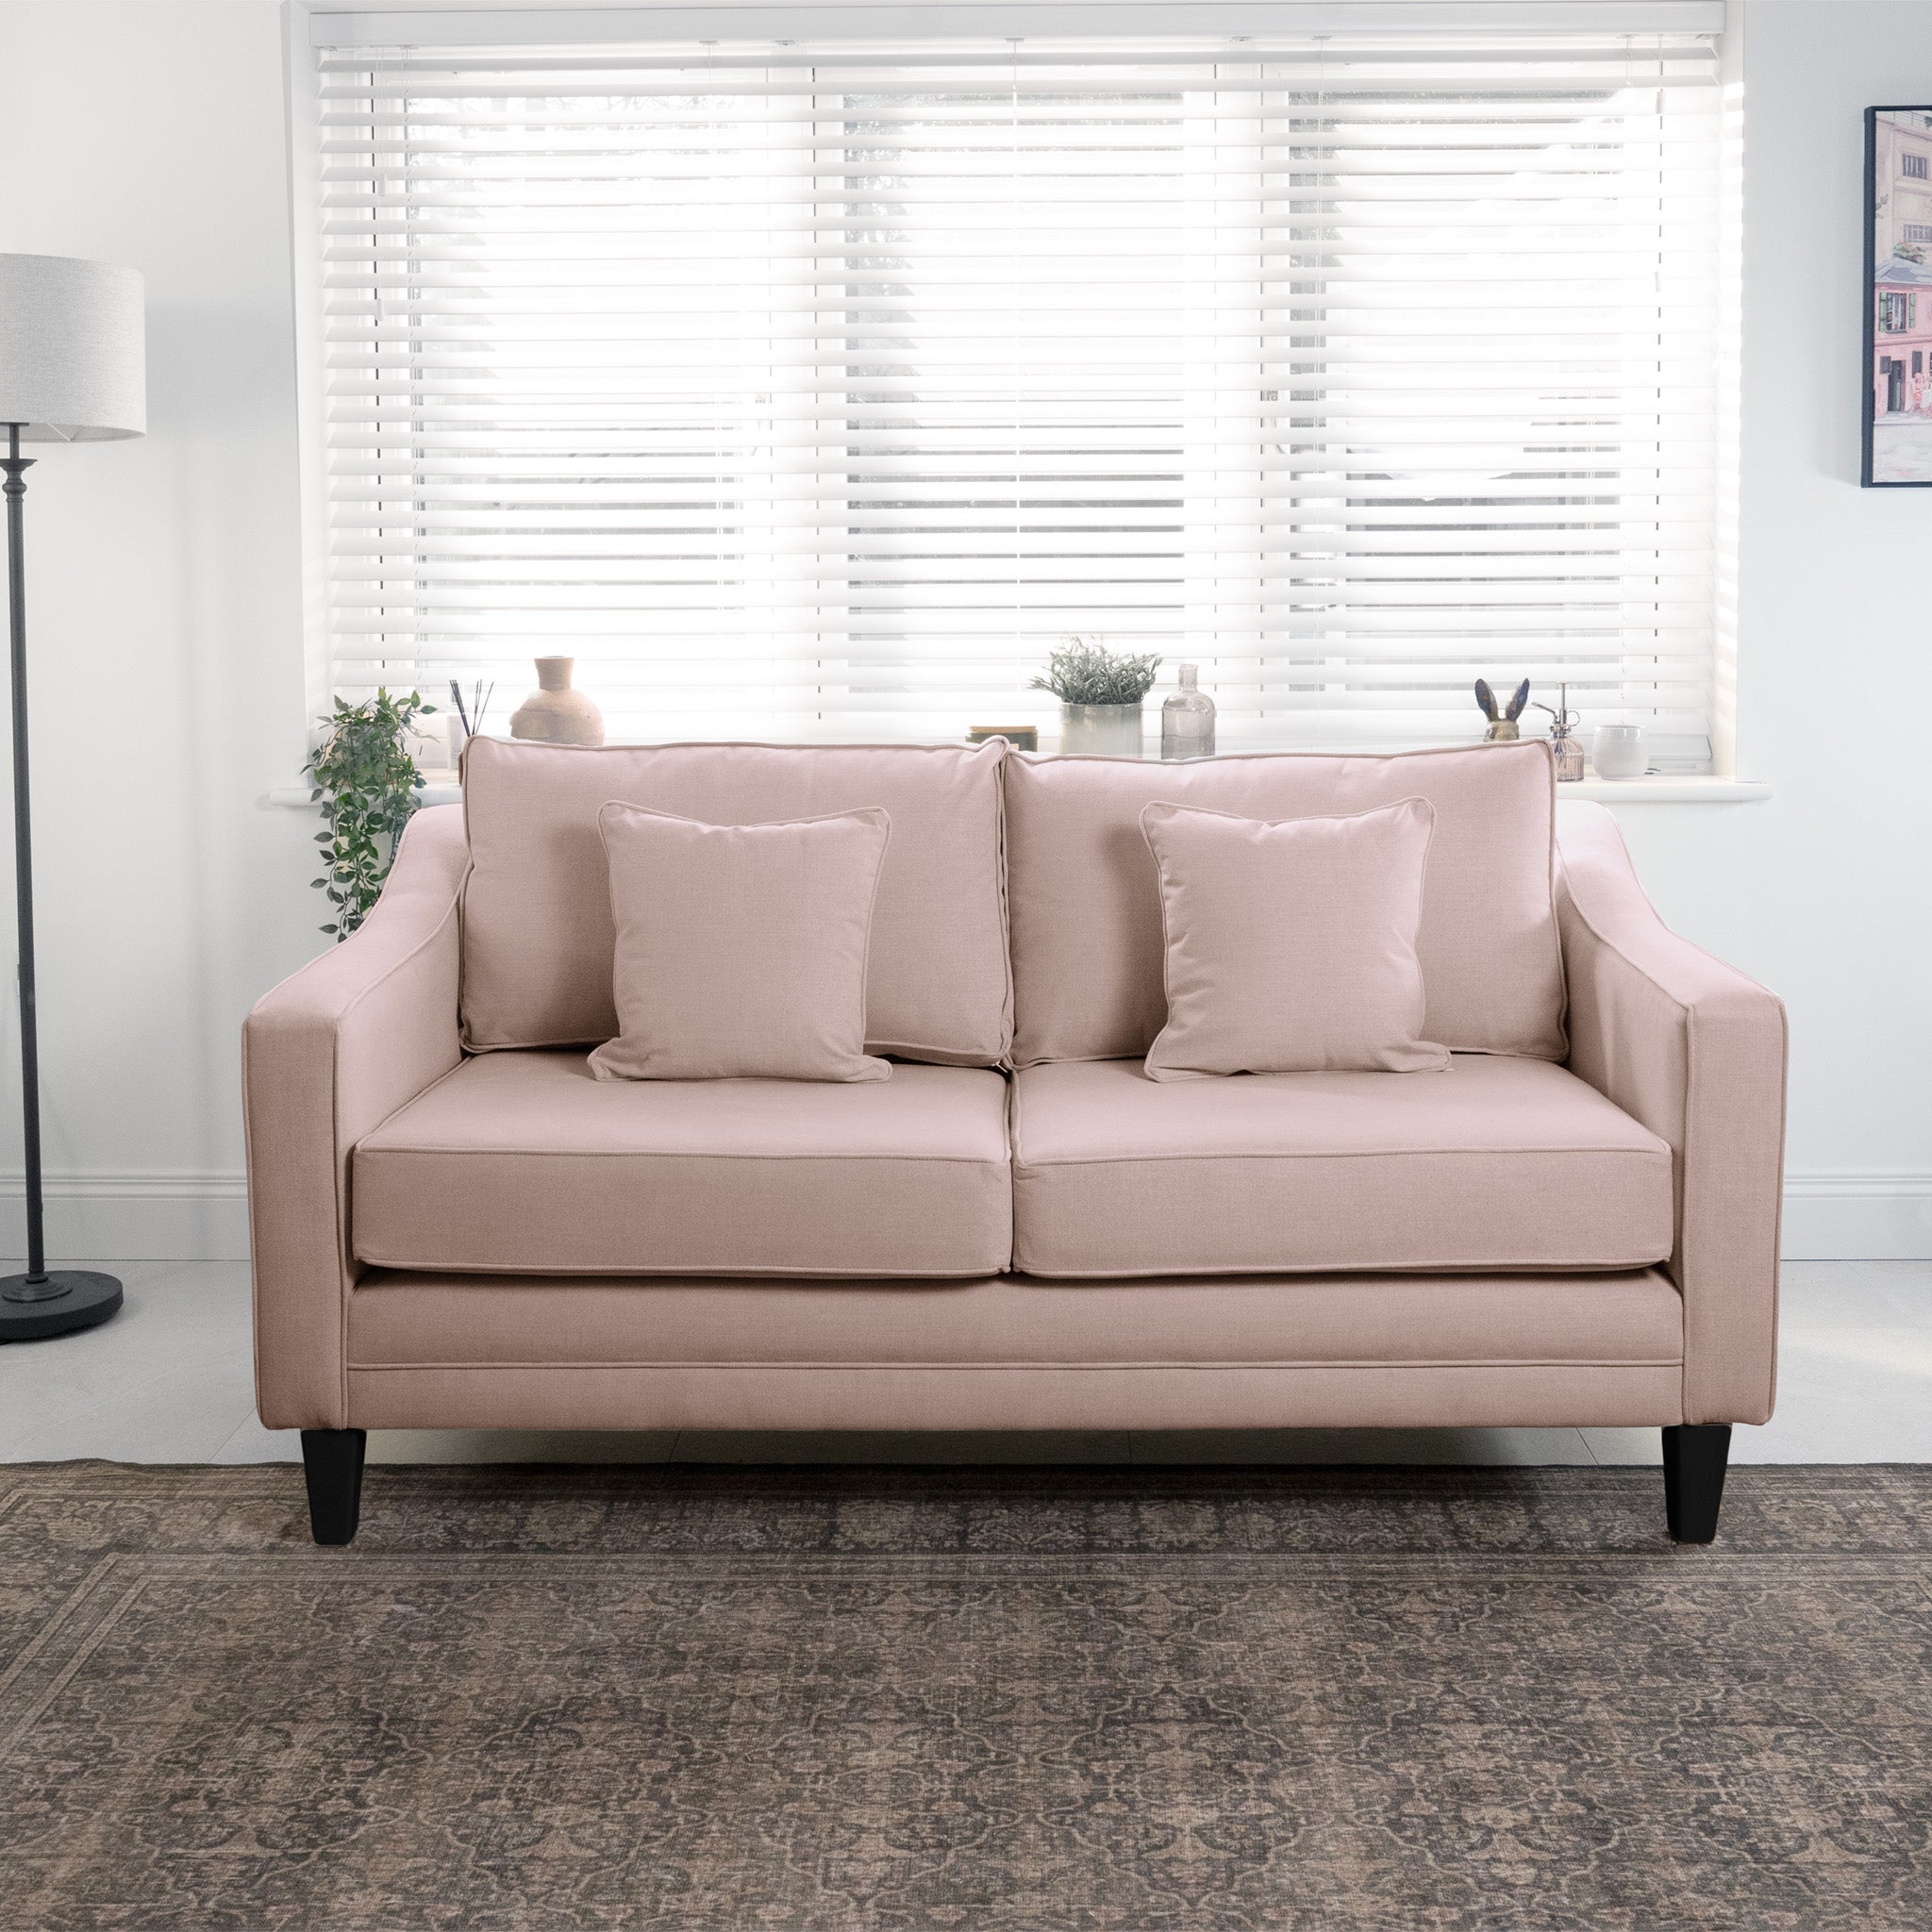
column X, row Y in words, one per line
column 367, row 786
column 1089, row 674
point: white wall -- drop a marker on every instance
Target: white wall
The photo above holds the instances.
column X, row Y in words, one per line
column 164, row 616
column 1824, row 892
column 168, row 678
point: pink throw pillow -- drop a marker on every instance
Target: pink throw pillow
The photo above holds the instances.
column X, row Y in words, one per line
column 1290, row 947
column 740, row 949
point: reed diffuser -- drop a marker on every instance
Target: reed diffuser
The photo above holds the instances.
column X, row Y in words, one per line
column 468, row 720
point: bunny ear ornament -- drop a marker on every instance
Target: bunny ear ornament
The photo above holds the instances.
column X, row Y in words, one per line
column 1502, row 723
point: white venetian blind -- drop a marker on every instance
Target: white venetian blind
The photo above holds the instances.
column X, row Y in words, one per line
column 820, row 391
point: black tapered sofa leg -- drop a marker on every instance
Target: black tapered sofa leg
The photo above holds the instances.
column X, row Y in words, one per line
column 332, row 1462
column 1696, row 1456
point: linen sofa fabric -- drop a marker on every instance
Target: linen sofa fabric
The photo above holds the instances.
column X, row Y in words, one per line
column 1614, row 1320
column 740, row 950
column 1695, row 1051
column 1323, row 1351
column 325, row 1057
column 920, row 1396
column 1289, row 948
column 527, row 1163
column 1497, row 1162
column 1083, row 899
column 507, row 1242
column 538, row 941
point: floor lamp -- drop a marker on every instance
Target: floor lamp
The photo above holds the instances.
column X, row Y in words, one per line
column 72, row 370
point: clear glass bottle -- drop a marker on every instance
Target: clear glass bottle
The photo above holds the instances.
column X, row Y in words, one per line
column 1565, row 747
column 1187, row 720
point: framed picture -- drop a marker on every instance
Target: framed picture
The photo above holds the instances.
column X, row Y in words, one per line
column 1898, row 297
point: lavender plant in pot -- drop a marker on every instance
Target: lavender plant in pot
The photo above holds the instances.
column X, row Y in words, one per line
column 1100, row 694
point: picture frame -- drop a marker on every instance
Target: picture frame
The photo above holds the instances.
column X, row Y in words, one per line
column 1896, row 414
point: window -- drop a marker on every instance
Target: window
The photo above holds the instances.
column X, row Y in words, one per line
column 1912, row 166
column 1917, row 231
column 819, row 392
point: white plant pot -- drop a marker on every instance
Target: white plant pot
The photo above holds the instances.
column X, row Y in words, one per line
column 1104, row 730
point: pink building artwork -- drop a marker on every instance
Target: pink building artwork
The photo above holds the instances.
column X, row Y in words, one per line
column 1902, row 335
column 1898, row 204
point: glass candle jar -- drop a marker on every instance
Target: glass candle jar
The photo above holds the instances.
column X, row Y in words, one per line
column 1618, row 751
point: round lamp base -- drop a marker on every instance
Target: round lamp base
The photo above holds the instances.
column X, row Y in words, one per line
column 69, row 1298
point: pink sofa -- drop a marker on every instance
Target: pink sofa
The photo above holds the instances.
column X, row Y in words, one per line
column 456, row 1226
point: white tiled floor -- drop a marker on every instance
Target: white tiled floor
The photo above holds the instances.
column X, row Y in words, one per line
column 169, row 1380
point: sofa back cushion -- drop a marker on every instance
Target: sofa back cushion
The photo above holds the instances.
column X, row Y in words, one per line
column 1084, row 898
column 538, row 939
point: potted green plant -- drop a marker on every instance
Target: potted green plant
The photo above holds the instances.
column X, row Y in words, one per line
column 1100, row 696
column 366, row 785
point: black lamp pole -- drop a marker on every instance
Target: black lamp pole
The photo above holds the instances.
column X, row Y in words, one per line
column 41, row 1302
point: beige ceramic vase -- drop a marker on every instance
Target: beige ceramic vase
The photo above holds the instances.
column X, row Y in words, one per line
column 555, row 714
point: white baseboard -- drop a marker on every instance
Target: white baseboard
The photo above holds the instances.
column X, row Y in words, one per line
column 1858, row 1216
column 154, row 1215
column 192, row 1216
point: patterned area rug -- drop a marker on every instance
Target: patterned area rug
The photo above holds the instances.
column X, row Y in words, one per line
column 1036, row 1700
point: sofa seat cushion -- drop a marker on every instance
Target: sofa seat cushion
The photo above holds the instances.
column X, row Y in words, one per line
column 1495, row 1162
column 525, row 1162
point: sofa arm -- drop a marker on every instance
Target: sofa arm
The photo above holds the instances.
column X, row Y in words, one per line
column 328, row 1054
column 1697, row 1052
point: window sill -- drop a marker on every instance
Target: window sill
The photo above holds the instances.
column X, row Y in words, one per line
column 441, row 788
column 1657, row 789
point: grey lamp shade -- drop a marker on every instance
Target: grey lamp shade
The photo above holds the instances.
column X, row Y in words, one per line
column 72, row 368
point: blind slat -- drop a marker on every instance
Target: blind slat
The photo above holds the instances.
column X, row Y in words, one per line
column 822, row 393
